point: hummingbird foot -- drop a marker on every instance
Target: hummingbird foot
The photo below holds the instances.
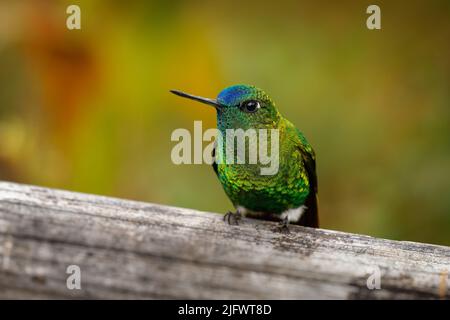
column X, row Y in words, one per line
column 283, row 225
column 232, row 217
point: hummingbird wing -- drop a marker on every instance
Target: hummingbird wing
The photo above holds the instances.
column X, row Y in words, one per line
column 214, row 164
column 311, row 216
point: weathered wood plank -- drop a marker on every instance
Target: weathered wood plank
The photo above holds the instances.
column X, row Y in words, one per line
column 129, row 249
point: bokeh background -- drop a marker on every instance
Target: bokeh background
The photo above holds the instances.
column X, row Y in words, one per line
column 90, row 110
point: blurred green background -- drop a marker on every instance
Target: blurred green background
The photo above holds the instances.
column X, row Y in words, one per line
column 90, row 110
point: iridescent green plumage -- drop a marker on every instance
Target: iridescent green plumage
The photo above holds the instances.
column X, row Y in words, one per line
column 265, row 196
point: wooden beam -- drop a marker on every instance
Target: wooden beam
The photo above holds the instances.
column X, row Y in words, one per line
column 129, row 249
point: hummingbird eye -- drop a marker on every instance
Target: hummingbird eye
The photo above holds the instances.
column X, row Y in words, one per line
column 250, row 106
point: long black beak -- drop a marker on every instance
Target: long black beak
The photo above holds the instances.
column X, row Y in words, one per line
column 211, row 102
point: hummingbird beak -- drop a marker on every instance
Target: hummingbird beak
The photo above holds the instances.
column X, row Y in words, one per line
column 211, row 102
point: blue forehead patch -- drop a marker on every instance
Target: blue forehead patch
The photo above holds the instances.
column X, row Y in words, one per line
column 232, row 95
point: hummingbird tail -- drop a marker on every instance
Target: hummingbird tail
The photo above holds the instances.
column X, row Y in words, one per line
column 311, row 216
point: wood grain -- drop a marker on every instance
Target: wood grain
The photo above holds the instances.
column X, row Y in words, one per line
column 128, row 249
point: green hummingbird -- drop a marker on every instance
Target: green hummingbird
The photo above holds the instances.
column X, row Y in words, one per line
column 290, row 195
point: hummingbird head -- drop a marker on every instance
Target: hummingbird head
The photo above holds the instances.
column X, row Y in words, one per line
column 241, row 106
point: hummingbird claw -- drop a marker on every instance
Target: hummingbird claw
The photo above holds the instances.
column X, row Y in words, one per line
column 283, row 226
column 232, row 218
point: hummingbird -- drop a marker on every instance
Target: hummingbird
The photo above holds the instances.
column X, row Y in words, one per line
column 290, row 195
